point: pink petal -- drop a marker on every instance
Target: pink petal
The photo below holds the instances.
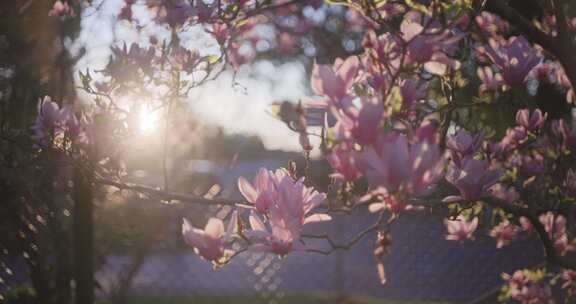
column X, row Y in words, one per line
column 214, row 228
column 256, row 223
column 315, row 218
column 247, row 190
column 192, row 236
column 376, row 207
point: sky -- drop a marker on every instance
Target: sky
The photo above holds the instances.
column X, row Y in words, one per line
column 239, row 109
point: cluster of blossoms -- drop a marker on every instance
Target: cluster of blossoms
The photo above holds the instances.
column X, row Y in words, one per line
column 55, row 123
column 279, row 209
column 390, row 122
column 514, row 61
column 528, row 287
column 524, row 149
column 91, row 134
column 62, row 10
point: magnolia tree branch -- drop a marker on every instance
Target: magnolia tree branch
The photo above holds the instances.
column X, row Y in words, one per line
column 552, row 254
column 164, row 195
column 553, row 257
column 560, row 46
column 502, row 9
column 348, row 245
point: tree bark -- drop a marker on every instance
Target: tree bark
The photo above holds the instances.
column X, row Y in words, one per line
column 83, row 239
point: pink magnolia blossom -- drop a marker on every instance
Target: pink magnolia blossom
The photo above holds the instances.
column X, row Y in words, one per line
column 428, row 46
column 569, row 281
column 358, row 121
column 412, row 91
column 504, row 232
column 513, row 138
column 264, row 190
column 462, row 145
column 491, row 24
column 529, row 121
column 460, row 229
column 61, row 9
column 279, row 190
column 555, row 226
column 547, row 72
column 49, row 121
column 491, row 81
column 220, row 32
column 343, row 160
column 472, row 179
column 276, row 237
column 514, row 57
column 286, row 218
column 208, row 243
column 385, row 50
column 563, row 133
column 398, row 165
column 334, row 81
column 528, row 289
column 185, row 59
column 296, row 201
column 385, row 201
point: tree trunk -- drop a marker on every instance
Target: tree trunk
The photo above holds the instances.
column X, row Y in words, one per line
column 83, row 239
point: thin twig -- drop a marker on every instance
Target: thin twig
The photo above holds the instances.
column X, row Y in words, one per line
column 164, row 195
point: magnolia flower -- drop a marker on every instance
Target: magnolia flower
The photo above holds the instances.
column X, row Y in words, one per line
column 569, row 278
column 513, row 137
column 278, row 238
column 490, row 81
column 296, row 201
column 563, row 133
column 287, row 205
column 343, row 161
column 463, row 145
column 514, row 57
column 527, row 288
column 412, row 91
column 286, row 218
column 385, row 201
column 49, row 120
column 459, row 229
column 428, row 46
column 491, row 24
column 208, row 243
column 395, row 164
column 185, row 59
column 472, row 179
column 555, row 226
column 220, row 31
column 504, row 232
column 264, row 190
column 357, row 121
column 335, row 81
column 529, row 121
column 61, row 9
